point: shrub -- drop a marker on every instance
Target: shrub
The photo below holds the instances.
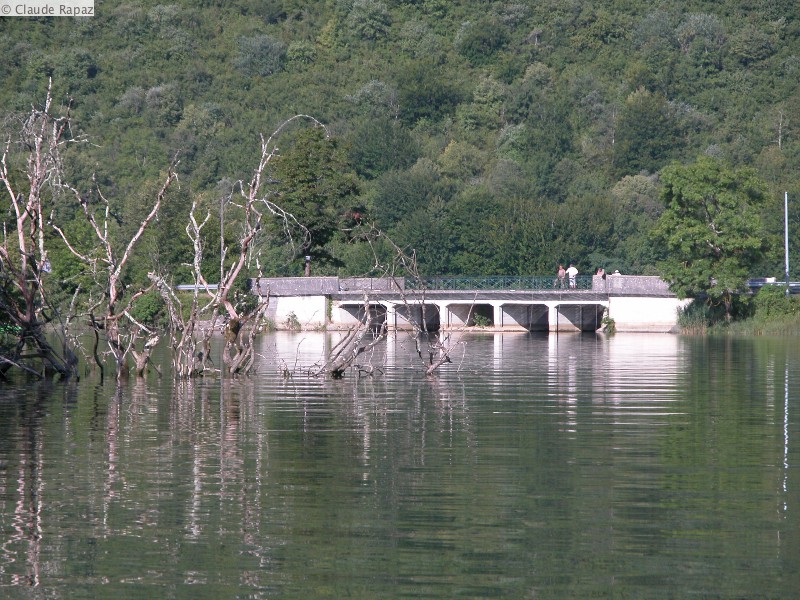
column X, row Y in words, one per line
column 301, row 53
column 609, row 324
column 149, row 309
column 771, row 301
column 369, row 19
column 481, row 321
column 260, row 55
column 477, row 42
column 292, row 322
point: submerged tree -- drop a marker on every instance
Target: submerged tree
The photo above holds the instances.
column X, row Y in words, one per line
column 357, row 341
column 399, row 264
column 216, row 306
column 109, row 311
column 25, row 307
column 710, row 229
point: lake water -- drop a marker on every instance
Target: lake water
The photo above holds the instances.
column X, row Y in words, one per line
column 561, row 466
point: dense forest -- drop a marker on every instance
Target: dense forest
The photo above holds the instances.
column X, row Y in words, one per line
column 490, row 137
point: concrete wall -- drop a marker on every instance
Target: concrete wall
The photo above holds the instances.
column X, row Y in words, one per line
column 529, row 317
column 309, row 311
column 640, row 303
column 631, row 285
column 344, row 315
column 373, row 284
column 645, row 314
column 580, row 317
column 630, row 314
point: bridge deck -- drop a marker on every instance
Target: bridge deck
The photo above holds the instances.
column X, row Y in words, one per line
column 477, row 296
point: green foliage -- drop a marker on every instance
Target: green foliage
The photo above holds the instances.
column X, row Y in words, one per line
column 487, row 136
column 646, row 134
column 751, row 44
column 486, row 109
column 479, row 41
column 481, row 321
column 376, row 99
column 710, row 229
column 379, row 145
column 368, row 19
column 399, row 194
column 426, row 91
column 695, row 318
column 164, row 104
column 260, row 55
column 772, row 302
column 317, row 186
column 460, row 161
column 243, row 298
column 473, row 226
column 149, row 309
column 609, row 324
column 292, row 322
column 300, row 54
column 635, row 208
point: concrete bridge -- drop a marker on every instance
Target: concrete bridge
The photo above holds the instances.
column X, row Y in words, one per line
column 635, row 303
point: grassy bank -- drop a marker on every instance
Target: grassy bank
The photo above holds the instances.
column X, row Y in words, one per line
column 786, row 325
column 770, row 312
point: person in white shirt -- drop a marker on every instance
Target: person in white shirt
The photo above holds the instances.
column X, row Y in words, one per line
column 572, row 272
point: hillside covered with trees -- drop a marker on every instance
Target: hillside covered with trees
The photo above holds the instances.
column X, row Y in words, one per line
column 491, row 137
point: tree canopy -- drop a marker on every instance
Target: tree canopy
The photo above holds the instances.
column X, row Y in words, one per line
column 527, row 121
column 316, row 185
column 710, row 230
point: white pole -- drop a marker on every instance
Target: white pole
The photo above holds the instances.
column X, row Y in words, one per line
column 786, row 235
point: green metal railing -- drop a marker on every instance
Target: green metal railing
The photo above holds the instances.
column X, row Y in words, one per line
column 498, row 282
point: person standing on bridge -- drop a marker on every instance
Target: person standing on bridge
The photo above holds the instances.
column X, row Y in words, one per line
column 572, row 273
column 562, row 275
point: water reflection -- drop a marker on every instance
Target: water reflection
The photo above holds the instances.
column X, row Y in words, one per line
column 785, row 438
column 534, row 465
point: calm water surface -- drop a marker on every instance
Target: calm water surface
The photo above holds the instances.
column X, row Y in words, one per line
column 570, row 466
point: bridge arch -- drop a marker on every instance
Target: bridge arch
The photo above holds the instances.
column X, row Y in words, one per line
column 353, row 313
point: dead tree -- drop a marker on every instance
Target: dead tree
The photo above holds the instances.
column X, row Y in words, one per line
column 25, row 308
column 186, row 361
column 434, row 349
column 352, row 345
column 110, row 313
column 216, row 306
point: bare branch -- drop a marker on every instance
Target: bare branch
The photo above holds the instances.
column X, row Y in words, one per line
column 171, row 176
column 23, row 297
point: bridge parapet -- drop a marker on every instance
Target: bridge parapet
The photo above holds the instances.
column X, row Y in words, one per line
column 612, row 285
column 323, row 286
column 632, row 285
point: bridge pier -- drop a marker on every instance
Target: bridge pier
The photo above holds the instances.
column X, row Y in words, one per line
column 497, row 314
column 553, row 317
